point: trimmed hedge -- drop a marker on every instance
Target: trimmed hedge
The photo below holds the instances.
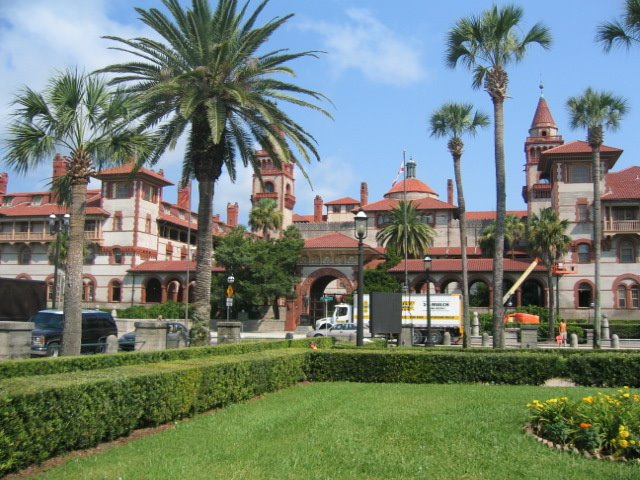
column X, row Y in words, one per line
column 50, row 366
column 60, row 413
column 406, row 366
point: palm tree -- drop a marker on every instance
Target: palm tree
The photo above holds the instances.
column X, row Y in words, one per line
column 548, row 242
column 454, row 120
column 203, row 77
column 265, row 216
column 79, row 114
column 622, row 32
column 514, row 231
column 486, row 44
column 596, row 111
column 406, row 230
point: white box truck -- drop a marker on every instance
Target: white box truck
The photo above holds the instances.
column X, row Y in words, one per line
column 446, row 315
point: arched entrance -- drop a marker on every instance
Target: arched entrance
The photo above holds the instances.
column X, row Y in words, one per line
column 153, row 291
column 321, row 290
column 532, row 293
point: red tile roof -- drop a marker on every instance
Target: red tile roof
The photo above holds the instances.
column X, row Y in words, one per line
column 45, row 210
column 331, row 240
column 578, row 146
column 622, row 185
column 412, row 185
column 420, row 204
column 127, row 169
column 169, row 266
column 344, row 201
column 303, row 218
column 543, row 117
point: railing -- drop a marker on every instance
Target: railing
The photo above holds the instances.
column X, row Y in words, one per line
column 40, row 236
column 621, row 225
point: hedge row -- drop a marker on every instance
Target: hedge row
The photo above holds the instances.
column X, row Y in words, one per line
column 50, row 366
column 504, row 367
column 60, row 413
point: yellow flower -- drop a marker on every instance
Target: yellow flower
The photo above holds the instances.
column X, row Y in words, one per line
column 588, row 399
column 623, row 444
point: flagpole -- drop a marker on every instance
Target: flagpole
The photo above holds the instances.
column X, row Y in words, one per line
column 404, row 199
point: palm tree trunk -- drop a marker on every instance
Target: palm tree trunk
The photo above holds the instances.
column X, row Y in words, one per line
column 551, row 302
column 501, row 201
column 204, row 243
column 597, row 244
column 466, row 322
column 72, row 330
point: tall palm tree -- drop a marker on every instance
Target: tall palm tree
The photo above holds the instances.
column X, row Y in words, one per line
column 548, row 242
column 93, row 125
column 406, row 230
column 624, row 31
column 486, row 45
column 596, row 111
column 454, row 120
column 265, row 216
column 205, row 76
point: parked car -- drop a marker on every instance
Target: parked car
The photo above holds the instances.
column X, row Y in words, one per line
column 177, row 336
column 46, row 337
column 343, row 331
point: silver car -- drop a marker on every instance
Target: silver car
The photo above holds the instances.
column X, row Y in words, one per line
column 342, row 331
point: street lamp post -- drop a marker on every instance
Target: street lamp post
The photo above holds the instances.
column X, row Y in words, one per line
column 360, row 230
column 559, row 268
column 230, row 280
column 57, row 223
column 427, row 269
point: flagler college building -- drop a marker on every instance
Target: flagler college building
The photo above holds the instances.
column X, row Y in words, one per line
column 140, row 248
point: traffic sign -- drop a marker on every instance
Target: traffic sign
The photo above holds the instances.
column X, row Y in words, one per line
column 229, row 302
column 326, row 299
column 229, row 291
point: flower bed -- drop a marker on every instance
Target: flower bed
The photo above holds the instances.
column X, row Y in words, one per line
column 603, row 424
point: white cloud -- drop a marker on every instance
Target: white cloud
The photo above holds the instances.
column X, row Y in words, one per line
column 365, row 44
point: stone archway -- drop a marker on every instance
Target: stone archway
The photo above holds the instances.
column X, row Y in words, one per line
column 312, row 288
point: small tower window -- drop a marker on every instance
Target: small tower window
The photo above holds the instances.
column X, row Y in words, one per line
column 268, row 187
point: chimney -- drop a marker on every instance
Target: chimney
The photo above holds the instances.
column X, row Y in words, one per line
column 184, row 196
column 364, row 194
column 4, row 181
column 60, row 169
column 450, row 191
column 232, row 214
column 318, row 204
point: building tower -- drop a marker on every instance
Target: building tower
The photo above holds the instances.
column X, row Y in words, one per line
column 277, row 184
column 543, row 135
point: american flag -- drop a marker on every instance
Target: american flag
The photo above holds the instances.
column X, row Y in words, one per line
column 400, row 172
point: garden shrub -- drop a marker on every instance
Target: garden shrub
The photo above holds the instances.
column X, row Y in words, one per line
column 607, row 424
column 48, row 365
column 59, row 413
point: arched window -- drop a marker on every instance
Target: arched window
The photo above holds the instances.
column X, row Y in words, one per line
column 478, row 294
column 153, row 291
column 627, row 252
column 622, row 296
column 169, row 251
column 268, row 187
column 24, row 256
column 585, row 295
column 635, row 296
column 118, row 257
column 88, row 290
column 90, row 255
column 584, row 253
column 115, row 291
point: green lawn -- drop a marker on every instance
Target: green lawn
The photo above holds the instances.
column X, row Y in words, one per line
column 355, row 431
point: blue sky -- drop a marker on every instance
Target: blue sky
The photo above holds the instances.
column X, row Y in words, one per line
column 384, row 71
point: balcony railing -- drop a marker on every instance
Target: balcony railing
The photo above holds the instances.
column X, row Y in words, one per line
column 40, row 236
column 621, row 226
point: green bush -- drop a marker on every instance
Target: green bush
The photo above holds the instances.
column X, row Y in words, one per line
column 624, row 328
column 605, row 369
column 49, row 365
column 169, row 310
column 60, row 413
